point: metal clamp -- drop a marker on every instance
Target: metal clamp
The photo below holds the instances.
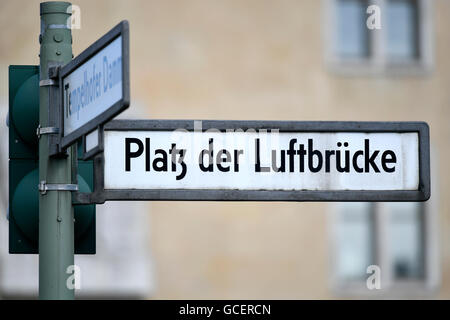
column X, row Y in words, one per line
column 43, row 187
column 47, row 82
column 46, row 130
column 59, row 26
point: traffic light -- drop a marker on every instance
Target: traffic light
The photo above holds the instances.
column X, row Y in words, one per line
column 23, row 120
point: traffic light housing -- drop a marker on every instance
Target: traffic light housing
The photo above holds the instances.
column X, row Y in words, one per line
column 23, row 120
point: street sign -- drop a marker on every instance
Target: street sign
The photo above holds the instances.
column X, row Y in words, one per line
column 263, row 161
column 95, row 86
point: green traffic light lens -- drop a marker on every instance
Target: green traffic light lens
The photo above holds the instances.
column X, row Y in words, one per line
column 25, row 111
column 25, row 208
column 25, row 205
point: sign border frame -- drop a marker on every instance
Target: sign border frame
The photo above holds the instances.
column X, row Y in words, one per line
column 121, row 29
column 87, row 155
column 100, row 195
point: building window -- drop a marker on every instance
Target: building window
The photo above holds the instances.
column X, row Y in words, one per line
column 402, row 32
column 403, row 44
column 399, row 238
column 407, row 240
column 354, row 233
column 352, row 41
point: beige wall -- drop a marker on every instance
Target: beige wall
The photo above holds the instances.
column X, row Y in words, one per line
column 259, row 60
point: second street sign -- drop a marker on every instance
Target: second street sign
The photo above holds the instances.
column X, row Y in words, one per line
column 95, row 85
column 264, row 161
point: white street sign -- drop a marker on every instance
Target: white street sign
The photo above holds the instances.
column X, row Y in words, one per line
column 273, row 161
column 260, row 161
column 95, row 85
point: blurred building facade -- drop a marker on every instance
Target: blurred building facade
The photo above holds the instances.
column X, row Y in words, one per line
column 280, row 60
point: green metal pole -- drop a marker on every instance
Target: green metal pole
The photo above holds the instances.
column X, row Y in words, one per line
column 56, row 223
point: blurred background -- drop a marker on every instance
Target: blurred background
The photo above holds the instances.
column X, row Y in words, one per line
column 260, row 60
